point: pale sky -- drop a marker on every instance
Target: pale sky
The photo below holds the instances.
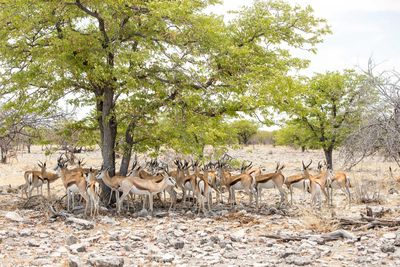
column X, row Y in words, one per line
column 361, row 29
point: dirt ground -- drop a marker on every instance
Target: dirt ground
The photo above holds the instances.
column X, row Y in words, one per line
column 270, row 236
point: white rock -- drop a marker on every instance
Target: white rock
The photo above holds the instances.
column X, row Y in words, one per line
column 13, row 216
column 106, row 261
column 390, row 236
column 168, row 257
column 80, row 247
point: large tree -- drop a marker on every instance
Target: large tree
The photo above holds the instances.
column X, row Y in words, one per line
column 326, row 109
column 160, row 54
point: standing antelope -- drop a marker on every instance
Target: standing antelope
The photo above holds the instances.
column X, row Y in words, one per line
column 139, row 186
column 297, row 181
column 74, row 182
column 318, row 184
column 34, row 179
column 48, row 177
column 93, row 196
column 139, row 172
column 341, row 180
column 112, row 183
column 271, row 180
column 241, row 181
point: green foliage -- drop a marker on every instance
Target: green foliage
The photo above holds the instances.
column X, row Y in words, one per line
column 189, row 134
column 243, row 129
column 76, row 134
column 326, row 109
column 151, row 60
column 294, row 135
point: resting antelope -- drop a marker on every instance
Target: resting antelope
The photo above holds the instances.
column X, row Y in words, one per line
column 271, row 180
column 241, row 181
column 74, row 182
column 139, row 186
column 318, row 184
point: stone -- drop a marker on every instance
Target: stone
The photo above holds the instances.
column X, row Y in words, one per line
column 73, row 261
column 179, row 233
column 25, row 232
column 72, row 240
column 108, row 220
column 13, row 216
column 179, row 244
column 80, row 247
column 390, row 236
column 167, row 257
column 388, row 248
column 143, row 213
column 298, row 260
column 238, row 236
column 214, row 239
column 135, row 238
column 33, row 243
column 106, row 261
column 287, row 253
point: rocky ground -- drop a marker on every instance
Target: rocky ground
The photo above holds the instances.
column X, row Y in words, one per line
column 298, row 235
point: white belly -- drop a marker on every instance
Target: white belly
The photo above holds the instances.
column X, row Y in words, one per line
column 188, row 186
column 73, row 189
column 267, row 185
column 238, row 186
column 137, row 191
column 299, row 185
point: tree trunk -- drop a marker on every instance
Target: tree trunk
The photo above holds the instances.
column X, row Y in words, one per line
column 105, row 107
column 29, row 148
column 328, row 157
column 3, row 158
column 126, row 157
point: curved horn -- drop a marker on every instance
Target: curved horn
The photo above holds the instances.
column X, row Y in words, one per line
column 309, row 164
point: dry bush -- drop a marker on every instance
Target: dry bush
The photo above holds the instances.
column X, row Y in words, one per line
column 317, row 221
column 367, row 191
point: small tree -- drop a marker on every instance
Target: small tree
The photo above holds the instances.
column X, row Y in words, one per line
column 327, row 108
column 244, row 129
column 295, row 136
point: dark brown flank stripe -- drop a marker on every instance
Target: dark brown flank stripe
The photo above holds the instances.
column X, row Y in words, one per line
column 159, row 180
column 236, row 181
column 71, row 183
column 296, row 180
column 139, row 187
column 265, row 179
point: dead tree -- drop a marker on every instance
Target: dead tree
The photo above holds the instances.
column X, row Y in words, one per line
column 380, row 128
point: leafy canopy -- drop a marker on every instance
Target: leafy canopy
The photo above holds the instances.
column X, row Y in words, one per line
column 152, row 58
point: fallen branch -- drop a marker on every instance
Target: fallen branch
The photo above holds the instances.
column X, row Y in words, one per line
column 71, row 219
column 332, row 236
column 369, row 222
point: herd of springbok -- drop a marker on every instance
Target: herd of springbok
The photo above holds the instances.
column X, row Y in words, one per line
column 199, row 181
